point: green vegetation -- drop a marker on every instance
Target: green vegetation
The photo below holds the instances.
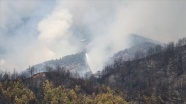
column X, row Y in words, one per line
column 16, row 92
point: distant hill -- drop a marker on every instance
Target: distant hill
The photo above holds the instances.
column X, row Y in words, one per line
column 129, row 54
column 75, row 63
column 135, row 39
column 139, row 44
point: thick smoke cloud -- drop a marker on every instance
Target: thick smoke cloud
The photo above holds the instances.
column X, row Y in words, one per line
column 19, row 47
column 55, row 33
column 51, row 31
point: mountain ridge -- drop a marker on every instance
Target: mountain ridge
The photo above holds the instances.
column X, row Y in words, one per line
column 161, row 76
column 75, row 63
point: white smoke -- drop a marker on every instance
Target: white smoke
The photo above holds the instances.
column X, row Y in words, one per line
column 55, row 34
column 15, row 10
column 55, row 26
column 159, row 20
column 52, row 39
column 106, row 24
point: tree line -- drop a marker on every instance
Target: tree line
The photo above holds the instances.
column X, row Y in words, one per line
column 57, row 86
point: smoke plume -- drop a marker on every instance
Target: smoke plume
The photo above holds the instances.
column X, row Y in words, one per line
column 36, row 31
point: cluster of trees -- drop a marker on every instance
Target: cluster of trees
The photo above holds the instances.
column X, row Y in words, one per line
column 56, row 86
column 168, row 49
column 4, row 75
column 18, row 93
column 157, row 79
column 181, row 42
column 15, row 92
column 60, row 95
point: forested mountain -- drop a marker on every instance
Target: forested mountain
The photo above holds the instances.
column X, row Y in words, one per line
column 75, row 63
column 139, row 47
column 156, row 79
column 92, row 52
column 138, row 51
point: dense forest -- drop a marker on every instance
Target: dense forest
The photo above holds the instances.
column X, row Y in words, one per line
column 156, row 78
column 57, row 87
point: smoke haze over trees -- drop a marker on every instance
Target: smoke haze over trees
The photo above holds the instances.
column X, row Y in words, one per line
column 92, row 52
column 53, row 29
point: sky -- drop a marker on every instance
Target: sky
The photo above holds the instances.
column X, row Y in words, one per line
column 34, row 31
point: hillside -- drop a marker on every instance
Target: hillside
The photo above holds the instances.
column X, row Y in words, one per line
column 136, row 39
column 139, row 47
column 159, row 78
column 75, row 63
column 130, row 53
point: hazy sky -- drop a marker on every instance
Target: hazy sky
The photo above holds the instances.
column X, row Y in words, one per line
column 34, row 31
